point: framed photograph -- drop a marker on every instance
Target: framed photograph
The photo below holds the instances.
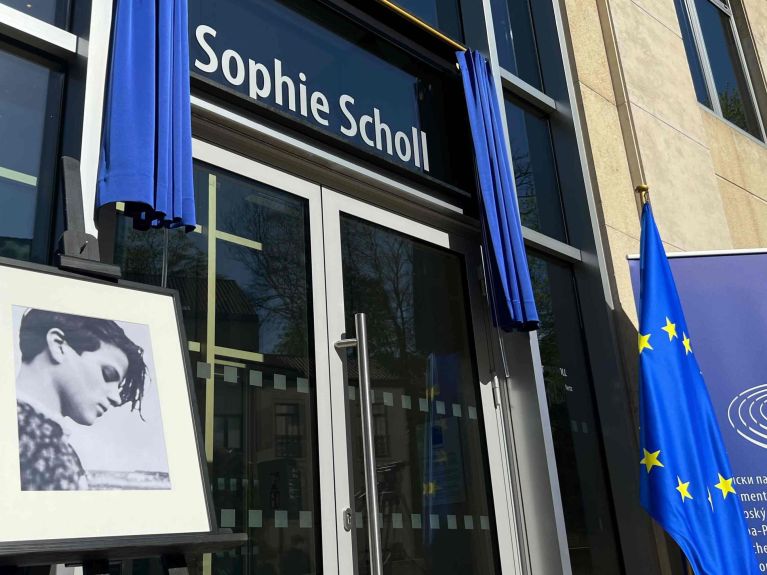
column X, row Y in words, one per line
column 98, row 426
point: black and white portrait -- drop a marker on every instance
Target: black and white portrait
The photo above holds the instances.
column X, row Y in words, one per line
column 87, row 404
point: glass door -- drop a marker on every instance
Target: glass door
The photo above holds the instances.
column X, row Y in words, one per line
column 270, row 280
column 441, row 498
column 252, row 289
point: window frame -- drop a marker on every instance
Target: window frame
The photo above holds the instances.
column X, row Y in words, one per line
column 708, row 74
column 38, row 42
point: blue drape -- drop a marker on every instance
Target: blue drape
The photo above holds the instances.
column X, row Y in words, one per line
column 511, row 288
column 146, row 148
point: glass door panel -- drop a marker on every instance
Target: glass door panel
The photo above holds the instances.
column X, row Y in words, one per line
column 435, row 508
column 245, row 277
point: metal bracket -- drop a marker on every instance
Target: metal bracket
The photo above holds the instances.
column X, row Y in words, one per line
column 347, row 519
column 79, row 251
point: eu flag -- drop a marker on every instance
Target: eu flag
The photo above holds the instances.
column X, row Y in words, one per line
column 686, row 481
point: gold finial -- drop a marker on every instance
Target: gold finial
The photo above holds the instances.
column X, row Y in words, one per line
column 644, row 193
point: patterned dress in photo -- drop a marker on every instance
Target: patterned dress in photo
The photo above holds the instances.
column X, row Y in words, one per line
column 47, row 460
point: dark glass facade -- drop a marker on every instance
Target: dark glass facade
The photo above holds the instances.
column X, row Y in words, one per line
column 535, row 171
column 54, row 12
column 516, row 39
column 246, row 291
column 444, row 15
column 30, row 120
column 591, row 534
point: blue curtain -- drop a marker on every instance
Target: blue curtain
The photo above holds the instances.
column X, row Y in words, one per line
column 146, row 148
column 511, row 289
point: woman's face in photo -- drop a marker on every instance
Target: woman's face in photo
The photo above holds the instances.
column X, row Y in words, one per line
column 89, row 383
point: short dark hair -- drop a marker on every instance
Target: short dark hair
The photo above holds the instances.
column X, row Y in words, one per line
column 85, row 334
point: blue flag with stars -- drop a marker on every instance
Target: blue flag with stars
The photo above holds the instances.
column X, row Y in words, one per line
column 686, row 481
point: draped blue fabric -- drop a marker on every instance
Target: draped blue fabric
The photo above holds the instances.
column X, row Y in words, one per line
column 512, row 291
column 146, row 148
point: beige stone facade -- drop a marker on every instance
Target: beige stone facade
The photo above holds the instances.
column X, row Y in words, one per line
column 643, row 124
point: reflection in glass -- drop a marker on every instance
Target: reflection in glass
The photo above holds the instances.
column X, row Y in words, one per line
column 516, row 40
column 727, row 67
column 445, row 15
column 693, row 58
column 264, row 455
column 535, row 172
column 29, row 124
column 434, row 492
column 577, row 437
column 51, row 11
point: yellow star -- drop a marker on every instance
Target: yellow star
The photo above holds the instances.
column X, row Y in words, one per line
column 644, row 342
column 670, row 329
column 430, row 488
column 686, row 342
column 725, row 486
column 650, row 460
column 683, row 489
column 432, row 392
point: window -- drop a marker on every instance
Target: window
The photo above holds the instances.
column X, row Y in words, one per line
column 535, row 171
column 716, row 62
column 54, row 12
column 575, row 429
column 516, row 40
column 42, row 106
column 445, row 15
column 30, row 118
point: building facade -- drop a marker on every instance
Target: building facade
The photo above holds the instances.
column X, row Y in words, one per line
column 333, row 176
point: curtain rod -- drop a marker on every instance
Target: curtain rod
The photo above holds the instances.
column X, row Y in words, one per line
column 423, row 25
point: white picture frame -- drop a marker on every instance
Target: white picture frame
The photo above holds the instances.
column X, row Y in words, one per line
column 181, row 506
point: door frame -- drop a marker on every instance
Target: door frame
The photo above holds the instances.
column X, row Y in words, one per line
column 248, row 168
column 333, row 204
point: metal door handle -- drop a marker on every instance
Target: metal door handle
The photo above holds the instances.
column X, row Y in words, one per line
column 368, row 439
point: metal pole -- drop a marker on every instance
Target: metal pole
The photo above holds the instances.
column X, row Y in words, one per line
column 368, row 440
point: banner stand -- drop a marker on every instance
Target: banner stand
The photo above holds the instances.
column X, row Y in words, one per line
column 79, row 253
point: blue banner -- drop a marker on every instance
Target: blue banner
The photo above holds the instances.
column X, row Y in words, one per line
column 726, row 311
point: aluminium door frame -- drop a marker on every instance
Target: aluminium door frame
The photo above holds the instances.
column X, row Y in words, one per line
column 258, row 172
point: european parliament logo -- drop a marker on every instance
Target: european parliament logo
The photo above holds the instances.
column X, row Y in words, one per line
column 747, row 414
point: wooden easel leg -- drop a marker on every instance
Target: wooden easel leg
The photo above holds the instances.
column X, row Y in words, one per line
column 175, row 564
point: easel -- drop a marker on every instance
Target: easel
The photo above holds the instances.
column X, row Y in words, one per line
column 79, row 254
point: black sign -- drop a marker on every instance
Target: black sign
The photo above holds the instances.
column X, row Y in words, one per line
column 338, row 77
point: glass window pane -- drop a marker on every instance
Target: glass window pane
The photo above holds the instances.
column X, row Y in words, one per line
column 261, row 379
column 52, row 11
column 444, row 15
column 574, row 425
column 535, row 172
column 515, row 38
column 693, row 58
column 726, row 65
column 29, row 126
column 432, row 471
